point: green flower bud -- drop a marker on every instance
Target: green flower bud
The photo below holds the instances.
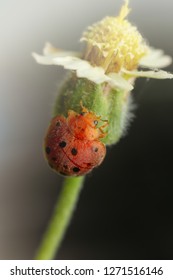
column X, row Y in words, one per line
column 112, row 105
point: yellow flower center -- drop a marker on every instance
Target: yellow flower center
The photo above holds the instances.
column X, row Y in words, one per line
column 114, row 43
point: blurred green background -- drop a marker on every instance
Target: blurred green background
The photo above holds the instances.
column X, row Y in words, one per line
column 125, row 209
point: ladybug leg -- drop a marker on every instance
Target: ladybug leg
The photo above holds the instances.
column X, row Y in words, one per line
column 106, row 123
column 102, row 133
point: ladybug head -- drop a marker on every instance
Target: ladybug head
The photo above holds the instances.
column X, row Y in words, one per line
column 85, row 125
column 89, row 117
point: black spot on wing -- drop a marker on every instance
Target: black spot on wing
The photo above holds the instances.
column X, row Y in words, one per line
column 62, row 144
column 76, row 169
column 74, row 151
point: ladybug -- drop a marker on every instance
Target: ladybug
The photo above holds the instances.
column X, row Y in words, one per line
column 72, row 145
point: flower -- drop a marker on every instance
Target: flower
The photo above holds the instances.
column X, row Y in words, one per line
column 113, row 43
column 114, row 51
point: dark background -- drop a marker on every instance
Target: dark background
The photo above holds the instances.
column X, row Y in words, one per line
column 125, row 210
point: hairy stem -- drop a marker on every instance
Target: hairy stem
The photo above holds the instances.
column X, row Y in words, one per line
column 60, row 218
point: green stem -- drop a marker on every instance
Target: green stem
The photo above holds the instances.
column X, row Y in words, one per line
column 60, row 219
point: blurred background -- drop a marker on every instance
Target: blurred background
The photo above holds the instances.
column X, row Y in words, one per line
column 125, row 210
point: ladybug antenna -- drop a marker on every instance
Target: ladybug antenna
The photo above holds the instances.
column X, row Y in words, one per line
column 84, row 109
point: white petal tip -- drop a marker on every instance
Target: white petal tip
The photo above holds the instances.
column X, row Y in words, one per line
column 42, row 59
column 157, row 74
column 49, row 49
column 155, row 59
column 34, row 55
column 167, row 75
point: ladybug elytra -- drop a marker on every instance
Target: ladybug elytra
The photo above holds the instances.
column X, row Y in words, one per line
column 72, row 145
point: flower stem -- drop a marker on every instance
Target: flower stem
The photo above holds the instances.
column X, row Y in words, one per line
column 60, row 218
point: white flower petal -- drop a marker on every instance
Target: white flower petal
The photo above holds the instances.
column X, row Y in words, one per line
column 45, row 60
column 155, row 59
column 85, row 70
column 50, row 50
column 119, row 82
column 160, row 74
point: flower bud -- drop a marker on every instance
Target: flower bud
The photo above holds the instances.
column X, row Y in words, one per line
column 103, row 76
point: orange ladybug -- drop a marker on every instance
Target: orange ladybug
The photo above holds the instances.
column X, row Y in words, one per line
column 72, row 144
